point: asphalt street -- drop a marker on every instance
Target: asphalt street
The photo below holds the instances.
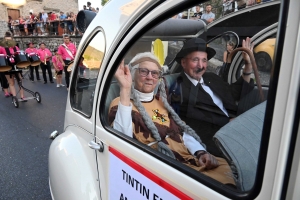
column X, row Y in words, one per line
column 24, row 140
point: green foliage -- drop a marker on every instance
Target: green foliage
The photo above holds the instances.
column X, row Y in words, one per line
column 103, row 2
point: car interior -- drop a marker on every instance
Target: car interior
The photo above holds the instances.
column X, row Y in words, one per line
column 239, row 140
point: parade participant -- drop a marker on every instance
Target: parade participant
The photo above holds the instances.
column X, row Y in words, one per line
column 67, row 50
column 45, row 56
column 58, row 66
column 153, row 122
column 3, row 80
column 207, row 102
column 31, row 50
column 14, row 73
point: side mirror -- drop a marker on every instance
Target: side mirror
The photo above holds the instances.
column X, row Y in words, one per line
column 225, row 42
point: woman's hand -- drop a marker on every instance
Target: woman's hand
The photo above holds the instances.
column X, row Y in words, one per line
column 124, row 79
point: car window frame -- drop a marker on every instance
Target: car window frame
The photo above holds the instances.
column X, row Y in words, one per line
column 75, row 70
column 268, row 113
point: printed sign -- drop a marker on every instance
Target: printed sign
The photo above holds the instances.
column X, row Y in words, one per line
column 130, row 181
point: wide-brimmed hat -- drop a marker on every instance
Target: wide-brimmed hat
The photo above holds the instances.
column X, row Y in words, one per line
column 194, row 44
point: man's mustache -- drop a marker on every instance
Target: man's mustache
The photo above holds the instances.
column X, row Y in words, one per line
column 199, row 70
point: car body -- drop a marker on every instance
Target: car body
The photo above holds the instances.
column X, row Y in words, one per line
column 91, row 160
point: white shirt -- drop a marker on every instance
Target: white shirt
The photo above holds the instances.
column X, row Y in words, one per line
column 123, row 123
column 44, row 17
column 214, row 97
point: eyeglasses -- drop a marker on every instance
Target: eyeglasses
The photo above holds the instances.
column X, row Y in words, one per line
column 154, row 73
column 196, row 60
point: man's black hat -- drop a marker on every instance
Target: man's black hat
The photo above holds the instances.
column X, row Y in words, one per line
column 194, row 44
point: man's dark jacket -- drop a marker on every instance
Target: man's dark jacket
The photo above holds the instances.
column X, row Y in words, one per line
column 197, row 108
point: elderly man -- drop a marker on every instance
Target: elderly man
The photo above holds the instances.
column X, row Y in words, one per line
column 207, row 102
column 208, row 16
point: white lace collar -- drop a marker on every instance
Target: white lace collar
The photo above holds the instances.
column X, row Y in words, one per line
column 145, row 96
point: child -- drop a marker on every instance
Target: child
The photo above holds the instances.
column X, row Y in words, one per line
column 58, row 68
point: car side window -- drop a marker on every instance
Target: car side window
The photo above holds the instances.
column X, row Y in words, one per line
column 86, row 73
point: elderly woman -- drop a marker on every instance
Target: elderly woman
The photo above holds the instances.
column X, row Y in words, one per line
column 138, row 114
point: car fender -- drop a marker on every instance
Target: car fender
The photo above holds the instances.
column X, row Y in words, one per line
column 72, row 167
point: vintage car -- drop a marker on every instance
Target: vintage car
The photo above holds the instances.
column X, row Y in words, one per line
column 92, row 160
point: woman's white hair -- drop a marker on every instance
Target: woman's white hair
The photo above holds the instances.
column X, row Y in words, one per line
column 137, row 57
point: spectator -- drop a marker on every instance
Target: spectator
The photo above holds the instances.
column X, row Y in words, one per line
column 229, row 48
column 44, row 20
column 63, row 23
column 31, row 25
column 21, row 25
column 45, row 55
column 97, row 10
column 208, row 16
column 89, row 6
column 251, row 2
column 198, row 13
column 10, row 23
column 70, row 22
column 38, row 24
column 54, row 23
column 178, row 16
column 27, row 25
column 58, row 66
column 84, row 7
column 228, row 6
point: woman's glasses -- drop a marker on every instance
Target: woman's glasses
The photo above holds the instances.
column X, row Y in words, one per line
column 154, row 73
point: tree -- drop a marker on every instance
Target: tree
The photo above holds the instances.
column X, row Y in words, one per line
column 103, row 2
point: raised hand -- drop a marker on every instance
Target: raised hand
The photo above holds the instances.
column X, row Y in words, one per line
column 247, row 44
column 124, row 79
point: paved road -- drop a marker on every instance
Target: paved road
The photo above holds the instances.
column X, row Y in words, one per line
column 24, row 142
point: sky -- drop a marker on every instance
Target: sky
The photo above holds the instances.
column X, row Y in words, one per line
column 95, row 3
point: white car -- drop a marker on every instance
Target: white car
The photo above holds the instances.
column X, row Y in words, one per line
column 91, row 160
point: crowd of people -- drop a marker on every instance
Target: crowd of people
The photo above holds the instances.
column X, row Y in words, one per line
column 208, row 16
column 61, row 59
column 43, row 23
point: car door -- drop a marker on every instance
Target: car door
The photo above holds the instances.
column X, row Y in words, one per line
column 70, row 155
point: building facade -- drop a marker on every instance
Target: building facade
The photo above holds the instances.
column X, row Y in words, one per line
column 16, row 8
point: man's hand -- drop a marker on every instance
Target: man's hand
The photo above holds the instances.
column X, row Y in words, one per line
column 207, row 160
column 247, row 44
